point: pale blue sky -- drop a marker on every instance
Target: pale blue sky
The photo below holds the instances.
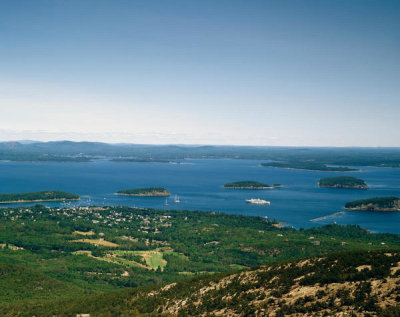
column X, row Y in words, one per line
column 202, row 72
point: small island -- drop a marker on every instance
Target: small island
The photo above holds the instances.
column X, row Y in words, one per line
column 145, row 192
column 343, row 182
column 309, row 166
column 250, row 185
column 37, row 197
column 375, row 204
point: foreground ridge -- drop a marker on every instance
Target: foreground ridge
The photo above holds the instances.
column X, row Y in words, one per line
column 355, row 283
column 340, row 284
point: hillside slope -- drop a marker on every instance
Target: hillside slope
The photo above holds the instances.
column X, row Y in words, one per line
column 357, row 283
column 18, row 283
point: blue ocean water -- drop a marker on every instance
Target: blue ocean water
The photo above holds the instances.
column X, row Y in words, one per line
column 198, row 183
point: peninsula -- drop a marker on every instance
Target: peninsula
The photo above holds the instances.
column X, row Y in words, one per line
column 342, row 182
column 250, row 185
column 310, row 166
column 146, row 192
column 375, row 204
column 37, row 197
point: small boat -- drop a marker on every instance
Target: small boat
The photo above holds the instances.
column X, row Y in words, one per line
column 166, row 202
column 176, row 199
column 258, row 201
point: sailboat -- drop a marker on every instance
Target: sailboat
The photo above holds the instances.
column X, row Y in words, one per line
column 176, row 199
column 166, row 202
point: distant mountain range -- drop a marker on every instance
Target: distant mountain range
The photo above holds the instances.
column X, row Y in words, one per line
column 28, row 150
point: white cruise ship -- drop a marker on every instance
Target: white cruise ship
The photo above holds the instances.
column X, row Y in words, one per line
column 258, row 201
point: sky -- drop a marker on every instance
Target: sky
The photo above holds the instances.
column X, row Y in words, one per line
column 290, row 73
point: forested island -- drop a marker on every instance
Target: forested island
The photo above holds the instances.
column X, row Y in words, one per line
column 375, row 204
column 342, row 182
column 250, row 185
column 310, row 166
column 43, row 158
column 147, row 192
column 37, row 197
column 143, row 160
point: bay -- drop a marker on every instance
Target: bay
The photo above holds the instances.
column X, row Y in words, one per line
column 198, row 183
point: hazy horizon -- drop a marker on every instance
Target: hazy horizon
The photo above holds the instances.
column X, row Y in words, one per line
column 265, row 73
column 31, row 141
